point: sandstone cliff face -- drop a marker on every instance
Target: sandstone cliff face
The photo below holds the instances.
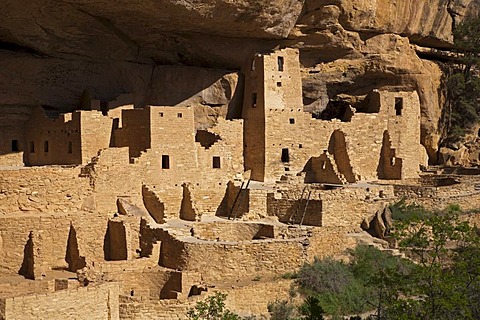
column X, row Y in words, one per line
column 52, row 51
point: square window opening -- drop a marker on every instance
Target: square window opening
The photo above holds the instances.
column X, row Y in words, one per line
column 398, row 106
column 216, row 162
column 285, row 155
column 32, row 147
column 160, row 114
column 15, row 146
column 292, row 121
column 179, row 115
column 165, row 161
column 279, row 84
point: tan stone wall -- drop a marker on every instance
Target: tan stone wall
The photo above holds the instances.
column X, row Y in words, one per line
column 51, row 236
column 240, row 260
column 329, row 242
column 348, row 207
column 251, row 299
column 111, row 175
column 52, row 189
column 278, row 125
column 12, row 127
column 295, row 210
column 12, row 159
column 140, row 278
column 92, row 302
column 58, row 134
column 95, row 131
column 343, row 207
column 229, row 231
column 404, row 129
column 229, row 149
column 253, row 113
column 135, row 131
column 437, row 198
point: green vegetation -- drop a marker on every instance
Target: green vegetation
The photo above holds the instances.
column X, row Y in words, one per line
column 441, row 281
column 213, row 308
column 359, row 286
column 463, row 83
column 403, row 212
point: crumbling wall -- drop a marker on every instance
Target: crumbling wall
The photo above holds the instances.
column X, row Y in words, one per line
column 347, row 207
column 277, row 127
column 464, row 194
column 390, row 166
column 250, row 299
column 342, row 207
column 12, row 135
column 295, row 210
column 188, row 209
column 56, row 141
column 111, row 176
column 94, row 302
column 135, row 132
column 323, row 169
column 52, row 189
column 51, row 238
column 95, row 132
column 115, row 241
column 140, row 278
column 222, row 160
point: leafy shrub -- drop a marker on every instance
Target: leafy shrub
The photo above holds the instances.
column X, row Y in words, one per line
column 281, row 310
column 311, row 309
column 341, row 289
column 401, row 211
column 324, row 276
column 213, row 308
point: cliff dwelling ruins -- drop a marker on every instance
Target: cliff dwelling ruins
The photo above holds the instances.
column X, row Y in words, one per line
column 119, row 211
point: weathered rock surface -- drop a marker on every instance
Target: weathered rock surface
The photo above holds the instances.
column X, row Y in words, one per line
column 379, row 224
column 53, row 51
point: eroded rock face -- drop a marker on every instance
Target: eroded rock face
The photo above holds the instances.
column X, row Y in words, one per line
column 52, row 51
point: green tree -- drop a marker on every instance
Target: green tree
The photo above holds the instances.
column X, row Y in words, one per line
column 282, row 310
column 463, row 85
column 447, row 275
column 311, row 309
column 213, row 308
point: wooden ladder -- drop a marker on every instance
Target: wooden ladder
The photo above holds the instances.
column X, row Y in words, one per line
column 306, row 206
column 292, row 217
column 238, row 199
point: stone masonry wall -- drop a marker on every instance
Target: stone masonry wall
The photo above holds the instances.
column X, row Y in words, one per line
column 465, row 195
column 281, row 138
column 240, row 260
column 92, row 302
column 51, row 238
column 251, row 299
column 52, row 189
column 53, row 141
column 343, row 207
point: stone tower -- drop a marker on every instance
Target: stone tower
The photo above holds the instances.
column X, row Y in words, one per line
column 271, row 81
